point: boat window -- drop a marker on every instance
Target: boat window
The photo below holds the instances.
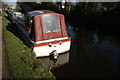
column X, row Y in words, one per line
column 51, row 23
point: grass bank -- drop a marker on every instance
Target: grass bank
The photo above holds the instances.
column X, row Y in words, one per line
column 21, row 58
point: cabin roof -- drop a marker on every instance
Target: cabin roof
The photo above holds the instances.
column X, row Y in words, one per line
column 37, row 12
column 31, row 14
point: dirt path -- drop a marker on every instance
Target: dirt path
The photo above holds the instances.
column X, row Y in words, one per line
column 0, row 48
column 5, row 72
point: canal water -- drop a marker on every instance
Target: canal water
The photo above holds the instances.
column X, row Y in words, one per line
column 93, row 54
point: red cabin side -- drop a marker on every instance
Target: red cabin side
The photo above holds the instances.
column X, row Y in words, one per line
column 39, row 27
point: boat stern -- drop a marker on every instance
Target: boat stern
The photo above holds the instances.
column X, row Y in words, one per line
column 46, row 49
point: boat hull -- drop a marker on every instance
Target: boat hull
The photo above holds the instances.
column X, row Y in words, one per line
column 43, row 50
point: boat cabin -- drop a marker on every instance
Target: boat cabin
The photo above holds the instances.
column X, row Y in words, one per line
column 45, row 25
column 44, row 31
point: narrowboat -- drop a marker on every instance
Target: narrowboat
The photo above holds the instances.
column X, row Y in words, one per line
column 44, row 31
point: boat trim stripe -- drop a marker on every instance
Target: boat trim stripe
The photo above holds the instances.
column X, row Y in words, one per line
column 45, row 44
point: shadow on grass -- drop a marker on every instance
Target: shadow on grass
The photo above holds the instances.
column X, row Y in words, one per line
column 15, row 31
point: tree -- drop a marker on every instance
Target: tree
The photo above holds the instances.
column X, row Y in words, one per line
column 28, row 6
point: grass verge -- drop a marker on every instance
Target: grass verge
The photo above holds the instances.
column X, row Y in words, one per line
column 22, row 60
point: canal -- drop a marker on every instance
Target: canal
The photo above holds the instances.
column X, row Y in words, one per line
column 93, row 54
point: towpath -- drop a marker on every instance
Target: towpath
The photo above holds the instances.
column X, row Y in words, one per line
column 4, row 65
column 0, row 48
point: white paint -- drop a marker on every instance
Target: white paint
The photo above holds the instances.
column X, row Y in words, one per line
column 46, row 50
column 51, row 40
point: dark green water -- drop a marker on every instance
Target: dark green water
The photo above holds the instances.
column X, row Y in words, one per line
column 93, row 54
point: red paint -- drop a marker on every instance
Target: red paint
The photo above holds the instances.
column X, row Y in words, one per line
column 39, row 45
column 40, row 35
column 66, row 40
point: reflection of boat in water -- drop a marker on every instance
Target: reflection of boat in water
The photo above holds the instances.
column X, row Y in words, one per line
column 62, row 60
column 43, row 30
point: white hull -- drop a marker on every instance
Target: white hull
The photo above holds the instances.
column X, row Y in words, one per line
column 43, row 51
